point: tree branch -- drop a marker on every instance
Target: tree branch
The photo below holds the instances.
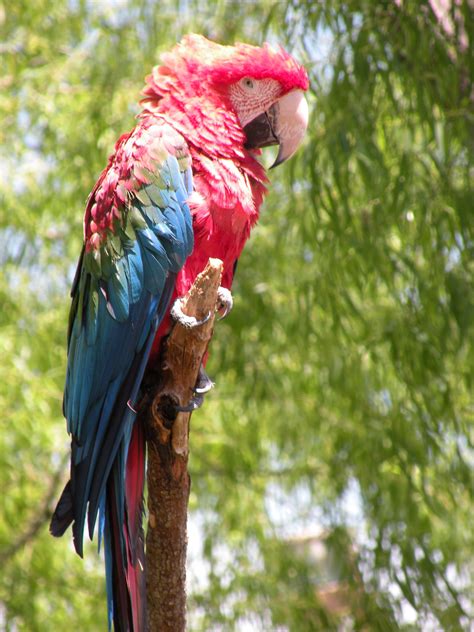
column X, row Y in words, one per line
column 167, row 435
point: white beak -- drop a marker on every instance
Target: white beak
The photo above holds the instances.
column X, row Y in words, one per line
column 290, row 120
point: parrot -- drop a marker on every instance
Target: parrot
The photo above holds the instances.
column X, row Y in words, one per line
column 184, row 185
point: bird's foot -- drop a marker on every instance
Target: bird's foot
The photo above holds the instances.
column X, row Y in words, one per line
column 183, row 319
column 225, row 301
column 203, row 386
column 203, row 383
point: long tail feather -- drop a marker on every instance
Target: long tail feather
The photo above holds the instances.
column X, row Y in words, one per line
column 119, row 601
column 63, row 514
column 134, row 485
column 133, row 529
column 124, row 540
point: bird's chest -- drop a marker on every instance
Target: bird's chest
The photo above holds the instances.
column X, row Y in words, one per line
column 224, row 209
column 223, row 240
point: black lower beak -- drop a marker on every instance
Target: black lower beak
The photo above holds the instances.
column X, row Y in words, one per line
column 260, row 132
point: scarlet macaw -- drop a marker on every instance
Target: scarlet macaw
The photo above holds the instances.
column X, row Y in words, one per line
column 184, row 185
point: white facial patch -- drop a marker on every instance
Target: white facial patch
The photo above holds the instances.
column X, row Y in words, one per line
column 250, row 97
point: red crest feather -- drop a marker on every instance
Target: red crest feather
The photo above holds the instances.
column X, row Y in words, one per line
column 196, row 62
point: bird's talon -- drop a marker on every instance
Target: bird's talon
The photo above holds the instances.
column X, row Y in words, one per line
column 195, row 403
column 183, row 319
column 203, row 385
column 224, row 302
column 202, row 390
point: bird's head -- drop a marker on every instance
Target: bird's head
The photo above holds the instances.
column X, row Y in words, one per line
column 258, row 92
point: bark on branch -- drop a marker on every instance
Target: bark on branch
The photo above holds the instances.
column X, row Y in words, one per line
column 167, row 435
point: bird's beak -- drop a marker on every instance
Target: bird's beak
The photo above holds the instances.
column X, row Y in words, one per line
column 284, row 124
column 290, row 123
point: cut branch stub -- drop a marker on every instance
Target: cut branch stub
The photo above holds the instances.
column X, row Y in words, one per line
column 182, row 357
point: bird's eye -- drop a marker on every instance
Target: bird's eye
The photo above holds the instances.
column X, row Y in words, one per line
column 248, row 83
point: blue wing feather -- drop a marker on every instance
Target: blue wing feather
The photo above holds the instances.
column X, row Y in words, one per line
column 118, row 290
column 120, row 294
column 135, row 265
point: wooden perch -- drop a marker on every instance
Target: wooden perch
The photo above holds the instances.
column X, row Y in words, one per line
column 167, row 435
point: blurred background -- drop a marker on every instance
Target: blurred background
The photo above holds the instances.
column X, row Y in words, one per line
column 332, row 466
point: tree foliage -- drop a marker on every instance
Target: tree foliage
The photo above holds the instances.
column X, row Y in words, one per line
column 337, row 449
